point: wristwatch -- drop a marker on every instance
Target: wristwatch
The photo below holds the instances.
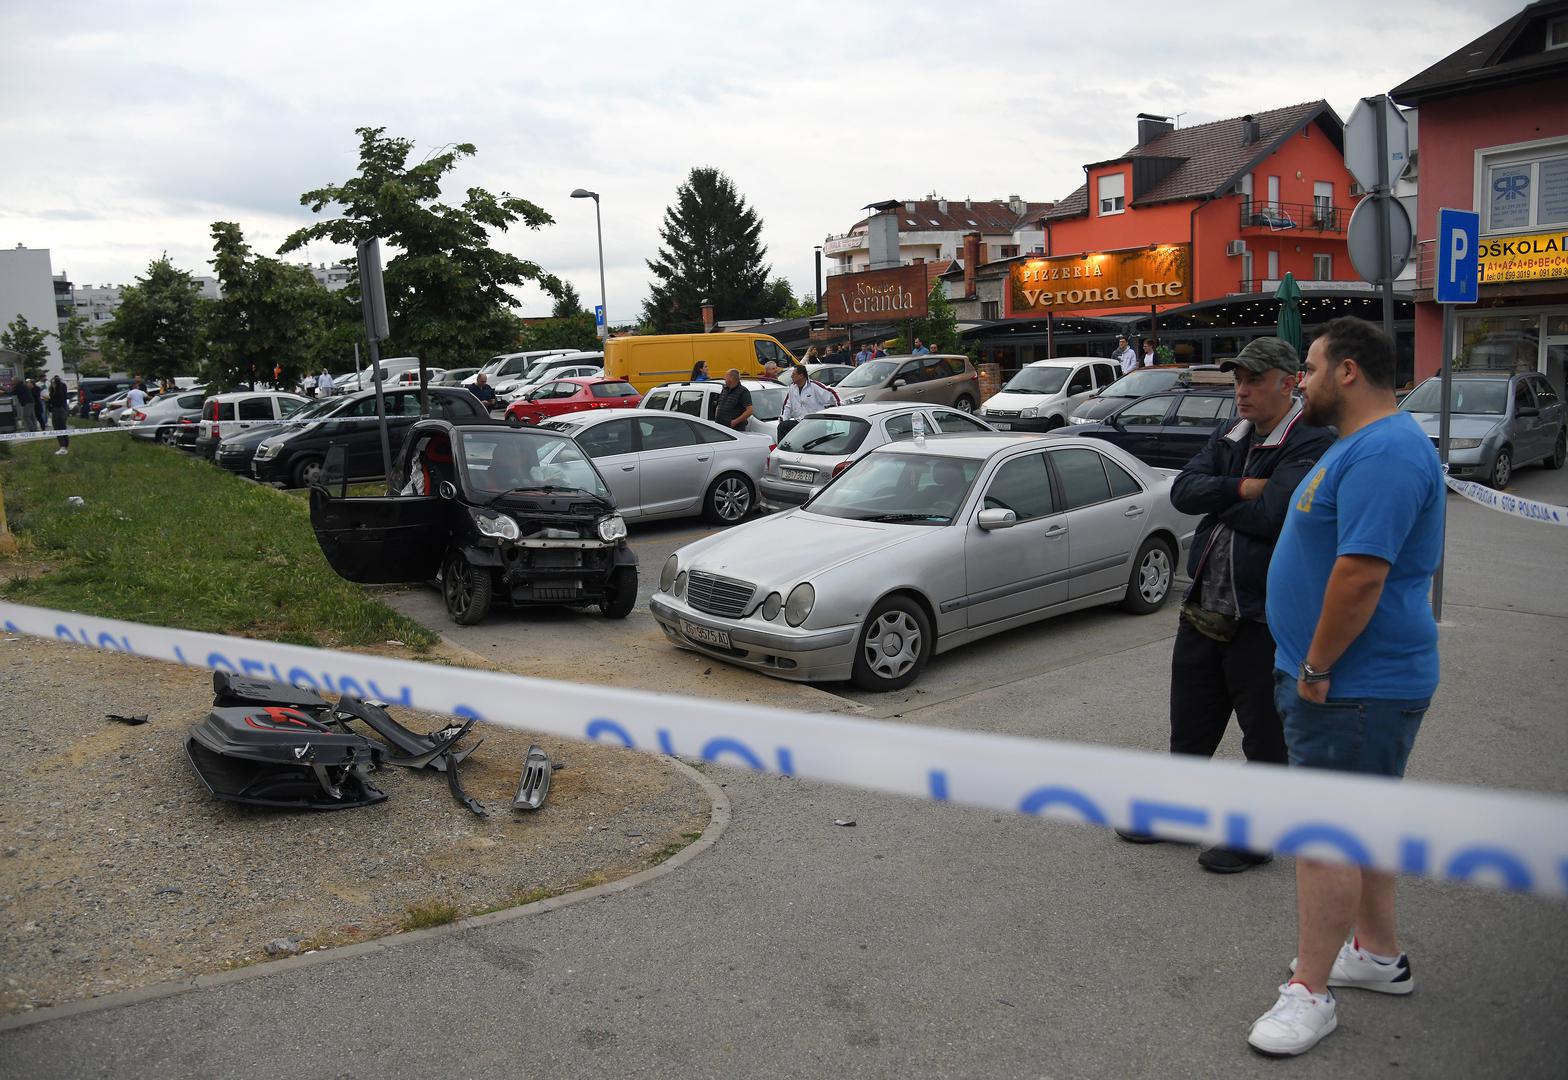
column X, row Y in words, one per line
column 1310, row 674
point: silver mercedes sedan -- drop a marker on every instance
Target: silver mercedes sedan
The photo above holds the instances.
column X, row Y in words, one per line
column 922, row 546
column 667, row 465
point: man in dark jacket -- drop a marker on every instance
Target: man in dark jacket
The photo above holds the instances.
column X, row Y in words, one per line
column 1241, row 483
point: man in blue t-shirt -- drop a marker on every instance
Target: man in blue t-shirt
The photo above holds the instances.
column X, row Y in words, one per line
column 1356, row 657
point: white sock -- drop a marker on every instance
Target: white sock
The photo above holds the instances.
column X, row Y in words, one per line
column 1374, row 957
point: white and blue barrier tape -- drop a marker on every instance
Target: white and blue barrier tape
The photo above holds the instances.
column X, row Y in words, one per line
column 1528, row 509
column 55, row 433
column 1514, row 840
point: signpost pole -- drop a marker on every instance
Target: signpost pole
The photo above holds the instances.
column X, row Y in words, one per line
column 1383, row 194
column 1442, row 450
column 1457, row 280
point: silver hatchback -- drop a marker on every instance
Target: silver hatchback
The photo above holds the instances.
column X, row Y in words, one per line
column 826, row 443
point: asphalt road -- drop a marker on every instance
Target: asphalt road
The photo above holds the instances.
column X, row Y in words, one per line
column 931, row 940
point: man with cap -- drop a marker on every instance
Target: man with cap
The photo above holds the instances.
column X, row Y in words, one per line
column 1241, row 482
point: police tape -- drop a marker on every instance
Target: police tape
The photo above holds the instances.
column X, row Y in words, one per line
column 55, row 433
column 1515, row 840
column 1528, row 509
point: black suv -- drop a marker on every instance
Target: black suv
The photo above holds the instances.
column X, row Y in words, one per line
column 516, row 514
column 294, row 455
column 1165, row 429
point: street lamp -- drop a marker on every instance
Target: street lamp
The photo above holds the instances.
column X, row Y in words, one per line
column 604, row 303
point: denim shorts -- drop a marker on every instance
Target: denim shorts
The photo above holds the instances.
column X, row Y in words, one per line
column 1370, row 735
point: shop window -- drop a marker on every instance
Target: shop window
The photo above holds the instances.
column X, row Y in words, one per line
column 1499, row 342
column 990, row 309
column 1526, row 189
column 1322, row 268
column 1113, row 194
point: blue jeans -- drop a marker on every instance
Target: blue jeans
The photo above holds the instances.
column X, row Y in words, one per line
column 1367, row 735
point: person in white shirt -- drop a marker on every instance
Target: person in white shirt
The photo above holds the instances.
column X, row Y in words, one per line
column 137, row 397
column 1125, row 356
column 1148, row 353
column 324, row 384
column 803, row 398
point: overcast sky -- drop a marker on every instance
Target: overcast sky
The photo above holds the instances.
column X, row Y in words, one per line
column 127, row 129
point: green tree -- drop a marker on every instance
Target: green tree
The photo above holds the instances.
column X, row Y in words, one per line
column 567, row 304
column 712, row 250
column 571, row 332
column 30, row 343
column 447, row 289
column 156, row 330
column 782, row 294
column 939, row 328
column 271, row 315
column 78, row 341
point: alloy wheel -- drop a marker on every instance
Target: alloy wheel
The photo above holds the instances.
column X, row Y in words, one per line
column 459, row 588
column 1154, row 575
column 732, row 498
column 893, row 644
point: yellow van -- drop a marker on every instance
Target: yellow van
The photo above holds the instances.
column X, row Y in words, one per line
column 648, row 360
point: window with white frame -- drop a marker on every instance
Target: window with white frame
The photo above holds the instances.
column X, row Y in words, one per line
column 1322, row 267
column 1113, row 193
column 1557, row 34
column 1273, row 266
column 1525, row 189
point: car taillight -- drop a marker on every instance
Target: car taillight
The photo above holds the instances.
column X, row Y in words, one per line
column 841, row 466
column 186, row 420
column 216, row 434
column 139, row 415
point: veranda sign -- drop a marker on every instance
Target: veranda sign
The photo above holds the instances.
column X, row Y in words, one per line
column 877, row 296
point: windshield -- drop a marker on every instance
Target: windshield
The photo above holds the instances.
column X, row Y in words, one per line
column 906, row 489
column 500, row 461
column 1139, row 383
column 1038, row 380
column 871, row 373
column 492, row 367
column 768, row 404
column 1474, row 397
column 825, row 435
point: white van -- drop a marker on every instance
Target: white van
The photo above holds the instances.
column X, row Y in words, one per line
column 1044, row 394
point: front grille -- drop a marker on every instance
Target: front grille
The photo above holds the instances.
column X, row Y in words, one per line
column 719, row 595
column 1005, row 414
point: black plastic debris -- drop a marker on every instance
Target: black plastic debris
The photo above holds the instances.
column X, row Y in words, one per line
column 139, row 718
column 534, row 784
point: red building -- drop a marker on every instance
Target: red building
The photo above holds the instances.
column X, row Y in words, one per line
column 1494, row 139
column 1217, row 213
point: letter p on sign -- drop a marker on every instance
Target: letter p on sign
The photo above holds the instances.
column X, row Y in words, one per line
column 1458, row 264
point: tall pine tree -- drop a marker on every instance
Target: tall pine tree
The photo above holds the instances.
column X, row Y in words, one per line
column 713, row 251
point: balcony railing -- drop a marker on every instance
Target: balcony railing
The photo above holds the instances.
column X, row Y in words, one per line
column 1287, row 217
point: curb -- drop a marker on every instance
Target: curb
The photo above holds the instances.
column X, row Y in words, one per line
column 718, row 821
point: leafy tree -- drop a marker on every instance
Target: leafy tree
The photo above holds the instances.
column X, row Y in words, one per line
column 781, row 293
column 78, row 341
column 30, row 343
column 271, row 315
column 447, row 288
column 939, row 329
column 156, row 330
column 571, row 332
column 712, row 250
column 567, row 304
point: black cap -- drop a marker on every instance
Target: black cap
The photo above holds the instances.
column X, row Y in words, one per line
column 1261, row 354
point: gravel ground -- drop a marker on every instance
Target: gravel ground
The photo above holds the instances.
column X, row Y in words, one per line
column 117, row 869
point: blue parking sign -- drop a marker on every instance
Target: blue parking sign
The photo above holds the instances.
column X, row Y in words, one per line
column 598, row 314
column 1458, row 257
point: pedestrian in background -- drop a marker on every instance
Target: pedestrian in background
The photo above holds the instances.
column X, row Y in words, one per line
column 812, row 356
column 1148, row 353
column 60, row 411
column 1241, row 483
column 1356, row 665
column 26, row 414
column 803, row 398
column 1125, row 356
column 40, row 412
column 324, row 384
column 484, row 391
column 920, row 349
column 863, row 355
column 137, row 396
column 699, row 371
column 733, row 409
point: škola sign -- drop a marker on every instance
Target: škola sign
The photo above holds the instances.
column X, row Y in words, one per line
column 1136, row 278
column 877, row 295
column 1528, row 257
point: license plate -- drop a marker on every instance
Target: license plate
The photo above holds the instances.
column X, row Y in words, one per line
column 704, row 636
column 800, row 476
column 1001, row 425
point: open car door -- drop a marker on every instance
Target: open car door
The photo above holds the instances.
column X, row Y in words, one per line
column 380, row 539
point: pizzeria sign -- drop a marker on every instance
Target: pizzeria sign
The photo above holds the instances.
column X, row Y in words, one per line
column 1158, row 274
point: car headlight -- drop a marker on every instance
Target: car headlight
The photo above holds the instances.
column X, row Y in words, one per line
column 1079, row 420
column 612, row 528
column 497, row 525
column 1463, row 444
column 853, row 399
column 801, row 600
column 771, row 606
column 1030, row 413
column 266, row 451
column 667, row 575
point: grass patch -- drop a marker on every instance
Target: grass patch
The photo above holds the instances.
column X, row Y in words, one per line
column 428, row 913
column 169, row 539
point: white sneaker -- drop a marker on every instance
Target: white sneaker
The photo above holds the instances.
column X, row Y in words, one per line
column 60, row 451
column 1355, row 969
column 1296, row 1022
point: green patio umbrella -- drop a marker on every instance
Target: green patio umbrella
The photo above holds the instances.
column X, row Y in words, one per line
column 1289, row 326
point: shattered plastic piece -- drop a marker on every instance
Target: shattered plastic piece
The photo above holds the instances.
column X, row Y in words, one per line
column 456, row 786
column 75, row 500
column 848, row 823
column 534, row 784
column 280, row 757
column 413, row 750
column 139, row 718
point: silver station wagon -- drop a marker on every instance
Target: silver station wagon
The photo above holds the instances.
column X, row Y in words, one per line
column 922, row 546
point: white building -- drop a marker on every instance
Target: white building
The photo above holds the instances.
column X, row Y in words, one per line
column 96, row 303
column 934, row 228
column 332, row 278
column 27, row 288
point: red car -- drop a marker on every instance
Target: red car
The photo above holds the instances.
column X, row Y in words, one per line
column 558, row 396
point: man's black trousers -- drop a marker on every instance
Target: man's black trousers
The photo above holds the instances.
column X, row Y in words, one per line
column 1211, row 679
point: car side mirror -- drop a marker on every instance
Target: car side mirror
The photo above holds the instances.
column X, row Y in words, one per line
column 996, row 518
column 446, row 489
column 898, row 384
